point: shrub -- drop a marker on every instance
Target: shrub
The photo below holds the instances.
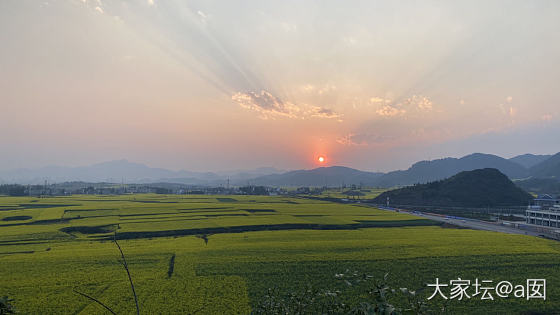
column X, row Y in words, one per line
column 6, row 306
column 312, row 301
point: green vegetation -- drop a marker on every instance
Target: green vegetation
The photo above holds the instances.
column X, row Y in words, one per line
column 479, row 188
column 313, row 301
column 12, row 190
column 6, row 306
column 353, row 192
column 184, row 258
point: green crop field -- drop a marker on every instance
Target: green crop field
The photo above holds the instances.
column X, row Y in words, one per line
column 366, row 193
column 51, row 246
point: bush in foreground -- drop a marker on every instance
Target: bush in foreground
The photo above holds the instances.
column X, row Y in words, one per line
column 6, row 306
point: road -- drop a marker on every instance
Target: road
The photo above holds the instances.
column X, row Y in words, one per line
column 472, row 224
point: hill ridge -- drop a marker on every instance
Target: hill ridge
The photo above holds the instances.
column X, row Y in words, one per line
column 486, row 187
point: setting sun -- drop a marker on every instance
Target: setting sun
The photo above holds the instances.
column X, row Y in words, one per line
column 208, row 164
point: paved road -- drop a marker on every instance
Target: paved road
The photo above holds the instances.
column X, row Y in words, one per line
column 473, row 224
column 479, row 225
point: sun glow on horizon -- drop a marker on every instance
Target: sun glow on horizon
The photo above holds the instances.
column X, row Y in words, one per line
column 213, row 86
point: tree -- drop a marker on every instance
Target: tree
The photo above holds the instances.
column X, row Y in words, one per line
column 13, row 190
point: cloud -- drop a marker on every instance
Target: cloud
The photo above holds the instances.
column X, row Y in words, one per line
column 151, row 2
column 350, row 140
column 320, row 112
column 390, row 111
column 203, row 16
column 308, row 87
column 326, row 89
column 502, row 109
column 266, row 104
column 379, row 100
column 363, row 139
column 420, row 102
column 512, row 112
column 396, row 123
column 509, row 113
column 95, row 5
column 413, row 104
column 320, row 90
column 270, row 106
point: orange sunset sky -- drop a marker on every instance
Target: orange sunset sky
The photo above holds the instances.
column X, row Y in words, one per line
column 216, row 85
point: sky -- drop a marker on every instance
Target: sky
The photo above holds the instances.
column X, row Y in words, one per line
column 218, row 85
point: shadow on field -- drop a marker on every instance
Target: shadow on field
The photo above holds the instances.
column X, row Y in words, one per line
column 89, row 229
column 17, row 218
column 247, row 228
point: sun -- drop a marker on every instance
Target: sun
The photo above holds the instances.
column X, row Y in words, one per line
column 321, row 159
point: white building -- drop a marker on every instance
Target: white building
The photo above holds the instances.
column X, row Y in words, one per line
column 545, row 212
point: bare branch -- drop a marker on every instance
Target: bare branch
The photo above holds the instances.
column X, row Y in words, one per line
column 95, row 300
column 128, row 272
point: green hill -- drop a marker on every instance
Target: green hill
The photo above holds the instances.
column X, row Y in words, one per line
column 479, row 188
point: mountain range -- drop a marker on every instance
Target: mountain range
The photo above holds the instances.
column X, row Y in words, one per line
column 549, row 168
column 530, row 160
column 520, row 168
column 427, row 171
column 129, row 172
column 322, row 176
column 420, row 172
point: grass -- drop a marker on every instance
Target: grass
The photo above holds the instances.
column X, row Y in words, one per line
column 42, row 261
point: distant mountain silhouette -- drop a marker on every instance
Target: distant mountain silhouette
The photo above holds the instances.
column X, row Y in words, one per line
column 545, row 177
column 427, row 171
column 550, row 168
column 529, row 160
column 478, row 188
column 418, row 173
column 322, row 176
column 123, row 170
